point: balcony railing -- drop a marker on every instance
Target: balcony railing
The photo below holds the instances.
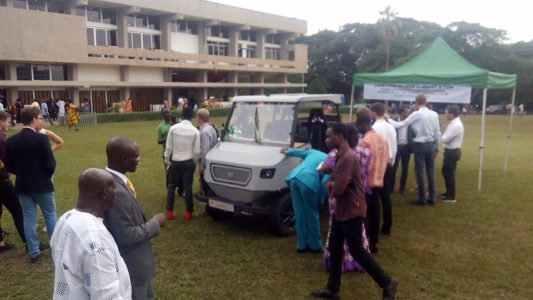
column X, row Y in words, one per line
column 169, row 59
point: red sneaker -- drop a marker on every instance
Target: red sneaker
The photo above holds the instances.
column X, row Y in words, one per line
column 169, row 214
column 187, row 215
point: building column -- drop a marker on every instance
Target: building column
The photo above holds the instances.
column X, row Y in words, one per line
column 167, row 93
column 75, row 95
column 124, row 73
column 166, row 33
column 233, row 41
column 259, row 78
column 11, row 70
column 12, row 95
column 9, row 3
column 260, row 40
column 122, row 28
column 284, row 46
column 125, row 93
column 202, row 38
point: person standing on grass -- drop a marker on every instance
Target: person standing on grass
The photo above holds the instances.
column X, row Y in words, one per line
column 181, row 153
column 452, row 140
column 8, row 196
column 73, row 116
column 403, row 154
column 29, row 156
column 126, row 219
column 307, row 192
column 208, row 140
column 388, row 133
column 425, row 125
column 45, row 113
column 350, row 211
column 379, row 151
column 88, row 264
column 162, row 133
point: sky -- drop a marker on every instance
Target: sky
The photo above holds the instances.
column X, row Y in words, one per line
column 513, row 16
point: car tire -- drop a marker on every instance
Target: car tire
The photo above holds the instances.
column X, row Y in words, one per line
column 282, row 216
column 217, row 214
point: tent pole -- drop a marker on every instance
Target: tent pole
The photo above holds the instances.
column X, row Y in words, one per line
column 351, row 102
column 482, row 141
column 509, row 132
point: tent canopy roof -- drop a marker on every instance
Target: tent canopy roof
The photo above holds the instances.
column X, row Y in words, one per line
column 439, row 64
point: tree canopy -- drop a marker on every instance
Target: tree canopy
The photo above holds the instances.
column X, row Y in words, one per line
column 357, row 47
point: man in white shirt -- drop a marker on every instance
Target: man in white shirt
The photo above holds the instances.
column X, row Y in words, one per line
column 181, row 154
column 452, row 140
column 403, row 154
column 88, row 264
column 61, row 105
column 388, row 133
column 425, row 125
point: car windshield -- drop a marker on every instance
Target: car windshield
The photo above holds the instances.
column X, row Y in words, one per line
column 261, row 123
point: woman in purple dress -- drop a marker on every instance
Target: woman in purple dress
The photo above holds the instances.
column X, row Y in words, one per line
column 348, row 263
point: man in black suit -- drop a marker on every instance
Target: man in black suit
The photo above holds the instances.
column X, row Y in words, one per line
column 126, row 220
column 29, row 156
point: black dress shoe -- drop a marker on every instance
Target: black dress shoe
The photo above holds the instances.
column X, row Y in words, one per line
column 419, row 203
column 385, row 231
column 44, row 246
column 304, row 250
column 35, row 258
column 390, row 291
column 6, row 247
column 325, row 293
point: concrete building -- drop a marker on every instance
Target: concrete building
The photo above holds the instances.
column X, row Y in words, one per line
column 146, row 50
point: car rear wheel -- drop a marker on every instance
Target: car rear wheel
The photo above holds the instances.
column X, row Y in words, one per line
column 282, row 216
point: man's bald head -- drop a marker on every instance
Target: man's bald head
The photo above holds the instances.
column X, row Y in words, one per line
column 96, row 191
column 122, row 154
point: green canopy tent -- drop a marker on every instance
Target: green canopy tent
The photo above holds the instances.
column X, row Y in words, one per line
column 439, row 64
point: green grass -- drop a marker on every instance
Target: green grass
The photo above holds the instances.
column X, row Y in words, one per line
column 478, row 248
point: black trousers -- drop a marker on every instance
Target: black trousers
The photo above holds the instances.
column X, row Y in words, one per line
column 386, row 201
column 403, row 155
column 350, row 231
column 9, row 198
column 180, row 173
column 449, row 165
column 373, row 215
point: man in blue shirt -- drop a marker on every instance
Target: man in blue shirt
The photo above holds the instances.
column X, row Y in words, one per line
column 425, row 125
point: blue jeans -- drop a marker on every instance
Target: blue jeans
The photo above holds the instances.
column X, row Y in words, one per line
column 29, row 210
column 425, row 167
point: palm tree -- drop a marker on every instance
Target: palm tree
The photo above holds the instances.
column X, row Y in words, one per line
column 388, row 30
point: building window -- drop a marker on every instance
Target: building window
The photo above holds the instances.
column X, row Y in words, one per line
column 218, row 31
column 2, row 71
column 59, row 72
column 272, row 53
column 55, row 6
column 247, row 35
column 24, row 72
column 41, row 72
column 144, row 40
column 80, row 11
column 184, row 27
column 273, row 39
column 39, row 5
column 217, row 48
column 143, row 21
column 20, row 4
column 94, row 14
column 101, row 37
column 247, row 52
column 109, row 17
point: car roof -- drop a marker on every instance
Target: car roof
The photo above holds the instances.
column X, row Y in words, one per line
column 291, row 98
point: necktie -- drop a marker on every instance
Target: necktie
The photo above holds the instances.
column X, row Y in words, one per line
column 130, row 185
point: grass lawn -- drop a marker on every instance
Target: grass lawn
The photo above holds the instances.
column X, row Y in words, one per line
column 477, row 248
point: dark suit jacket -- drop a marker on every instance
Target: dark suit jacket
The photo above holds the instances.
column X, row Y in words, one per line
column 132, row 233
column 29, row 156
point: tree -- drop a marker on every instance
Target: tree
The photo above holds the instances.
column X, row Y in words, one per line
column 388, row 29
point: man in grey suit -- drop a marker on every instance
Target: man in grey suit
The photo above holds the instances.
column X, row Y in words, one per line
column 126, row 220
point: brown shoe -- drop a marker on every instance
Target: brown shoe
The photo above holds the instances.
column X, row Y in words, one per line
column 325, row 293
column 35, row 258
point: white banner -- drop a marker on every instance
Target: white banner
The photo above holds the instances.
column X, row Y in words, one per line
column 408, row 92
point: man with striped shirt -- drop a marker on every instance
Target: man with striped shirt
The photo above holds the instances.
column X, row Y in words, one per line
column 208, row 139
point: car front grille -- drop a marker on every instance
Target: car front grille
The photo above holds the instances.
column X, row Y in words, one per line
column 233, row 175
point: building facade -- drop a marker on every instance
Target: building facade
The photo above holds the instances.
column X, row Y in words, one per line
column 146, row 50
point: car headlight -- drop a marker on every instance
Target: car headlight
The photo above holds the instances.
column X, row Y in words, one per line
column 267, row 173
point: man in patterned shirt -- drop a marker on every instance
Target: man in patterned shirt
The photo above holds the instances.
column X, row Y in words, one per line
column 87, row 262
